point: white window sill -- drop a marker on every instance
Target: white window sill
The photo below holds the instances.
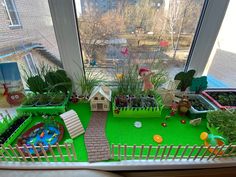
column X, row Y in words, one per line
column 124, row 165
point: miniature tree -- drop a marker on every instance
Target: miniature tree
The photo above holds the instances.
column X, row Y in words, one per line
column 199, row 84
column 185, row 79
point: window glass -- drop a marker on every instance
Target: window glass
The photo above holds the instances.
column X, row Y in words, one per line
column 221, row 66
column 12, row 12
column 30, row 63
column 117, row 36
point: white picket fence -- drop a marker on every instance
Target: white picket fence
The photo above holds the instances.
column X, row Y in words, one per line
column 50, row 153
column 187, row 152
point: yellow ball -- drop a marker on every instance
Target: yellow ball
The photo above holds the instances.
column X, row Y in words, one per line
column 204, row 136
column 157, row 138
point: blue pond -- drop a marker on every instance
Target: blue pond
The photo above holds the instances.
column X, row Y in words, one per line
column 47, row 134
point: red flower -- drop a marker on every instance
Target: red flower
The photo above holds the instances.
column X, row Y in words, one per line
column 117, row 111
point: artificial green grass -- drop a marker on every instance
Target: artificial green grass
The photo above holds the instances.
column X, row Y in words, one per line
column 122, row 131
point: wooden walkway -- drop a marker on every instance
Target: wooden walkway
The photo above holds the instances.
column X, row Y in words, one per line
column 95, row 138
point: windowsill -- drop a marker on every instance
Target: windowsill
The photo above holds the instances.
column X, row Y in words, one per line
column 124, row 165
column 15, row 26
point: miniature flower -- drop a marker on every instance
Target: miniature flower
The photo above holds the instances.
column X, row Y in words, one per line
column 138, row 124
column 117, row 111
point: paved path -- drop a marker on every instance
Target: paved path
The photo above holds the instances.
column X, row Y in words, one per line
column 95, row 138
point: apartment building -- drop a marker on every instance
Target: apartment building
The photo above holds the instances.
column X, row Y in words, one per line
column 27, row 35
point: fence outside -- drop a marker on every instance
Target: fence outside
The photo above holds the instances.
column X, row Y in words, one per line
column 180, row 152
column 49, row 153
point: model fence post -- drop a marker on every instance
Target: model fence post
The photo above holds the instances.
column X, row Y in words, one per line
column 177, row 151
column 183, row 153
column 8, row 154
column 118, row 151
column 190, row 154
column 36, row 152
column 44, row 152
column 28, row 152
column 217, row 154
column 141, row 152
column 125, row 147
column 228, row 147
column 52, row 153
column 14, row 152
column 112, row 151
column 198, row 152
column 21, row 153
column 204, row 154
column 163, row 152
column 149, row 151
column 68, row 151
column 4, row 157
column 73, row 150
column 133, row 152
column 213, row 152
column 157, row 151
column 60, row 153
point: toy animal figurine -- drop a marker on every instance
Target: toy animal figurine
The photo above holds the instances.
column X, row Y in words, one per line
column 174, row 108
column 146, row 74
column 184, row 105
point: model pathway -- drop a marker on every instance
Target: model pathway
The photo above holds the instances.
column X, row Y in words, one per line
column 95, row 138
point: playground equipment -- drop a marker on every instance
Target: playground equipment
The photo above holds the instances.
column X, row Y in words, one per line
column 73, row 124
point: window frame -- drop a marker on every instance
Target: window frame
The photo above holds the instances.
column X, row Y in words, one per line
column 26, row 59
column 9, row 15
column 62, row 15
column 207, row 30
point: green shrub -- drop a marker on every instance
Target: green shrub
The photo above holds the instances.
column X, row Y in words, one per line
column 225, row 122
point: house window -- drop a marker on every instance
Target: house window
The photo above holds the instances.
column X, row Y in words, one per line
column 30, row 63
column 102, row 98
column 12, row 13
column 105, row 106
column 95, row 98
column 94, row 106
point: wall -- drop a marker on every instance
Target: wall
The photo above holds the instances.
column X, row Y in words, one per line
column 36, row 26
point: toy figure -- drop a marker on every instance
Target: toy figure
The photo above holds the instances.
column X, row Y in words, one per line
column 146, row 74
column 124, row 51
column 174, row 108
column 184, row 105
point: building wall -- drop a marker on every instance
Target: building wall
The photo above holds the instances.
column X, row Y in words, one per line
column 36, row 26
column 38, row 59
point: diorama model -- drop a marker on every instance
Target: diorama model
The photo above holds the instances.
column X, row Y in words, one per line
column 136, row 120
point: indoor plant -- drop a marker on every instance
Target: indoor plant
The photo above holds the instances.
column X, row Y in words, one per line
column 223, row 122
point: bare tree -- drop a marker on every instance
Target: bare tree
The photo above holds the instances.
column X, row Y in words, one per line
column 97, row 29
column 181, row 15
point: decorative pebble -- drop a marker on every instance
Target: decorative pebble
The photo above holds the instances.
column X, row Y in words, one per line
column 163, row 124
column 157, row 138
column 138, row 124
column 183, row 121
